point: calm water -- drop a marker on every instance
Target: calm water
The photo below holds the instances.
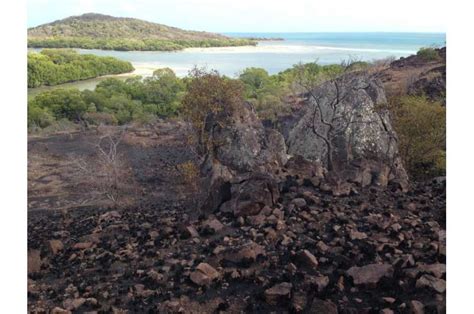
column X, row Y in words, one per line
column 275, row 56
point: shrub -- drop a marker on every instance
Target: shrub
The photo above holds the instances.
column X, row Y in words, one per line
column 421, row 129
column 39, row 117
column 428, row 54
column 210, row 96
column 62, row 103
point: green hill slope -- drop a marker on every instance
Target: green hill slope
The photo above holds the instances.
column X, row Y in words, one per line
column 97, row 31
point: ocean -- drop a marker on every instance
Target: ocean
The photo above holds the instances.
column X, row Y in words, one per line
column 276, row 56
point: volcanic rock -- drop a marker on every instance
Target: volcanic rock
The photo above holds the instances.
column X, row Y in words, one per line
column 356, row 235
column 299, row 202
column 55, row 246
column 204, row 274
column 321, row 282
column 416, row 307
column 243, row 154
column 437, row 270
column 58, row 310
column 213, row 225
column 278, row 293
column 343, row 129
column 323, row 306
column 299, row 301
column 369, row 274
column 82, row 245
column 308, row 259
column 438, row 285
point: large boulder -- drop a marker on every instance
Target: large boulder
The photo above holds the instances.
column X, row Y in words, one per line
column 241, row 162
column 345, row 127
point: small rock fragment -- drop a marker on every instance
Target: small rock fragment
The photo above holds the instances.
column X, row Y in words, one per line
column 370, row 274
column 308, row 259
column 278, row 293
column 438, row 285
column 55, row 246
column 204, row 274
column 416, row 307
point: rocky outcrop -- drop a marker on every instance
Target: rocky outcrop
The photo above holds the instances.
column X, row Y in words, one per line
column 342, row 136
column 345, row 129
column 241, row 161
column 431, row 84
column 415, row 75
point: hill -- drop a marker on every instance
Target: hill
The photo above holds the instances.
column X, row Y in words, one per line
column 98, row 31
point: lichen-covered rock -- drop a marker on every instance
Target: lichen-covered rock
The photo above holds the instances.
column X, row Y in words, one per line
column 241, row 161
column 345, row 128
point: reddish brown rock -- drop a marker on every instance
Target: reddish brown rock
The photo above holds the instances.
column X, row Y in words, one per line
column 308, row 259
column 356, row 235
column 204, row 274
column 58, row 310
column 278, row 293
column 82, row 245
column 55, row 246
column 428, row 281
column 416, row 307
column 370, row 274
column 213, row 224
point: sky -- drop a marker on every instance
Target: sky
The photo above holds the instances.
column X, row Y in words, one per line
column 259, row 15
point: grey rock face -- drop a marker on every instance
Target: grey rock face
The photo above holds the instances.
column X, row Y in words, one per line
column 345, row 128
column 241, row 161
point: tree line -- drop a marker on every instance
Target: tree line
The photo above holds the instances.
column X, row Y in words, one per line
column 136, row 44
column 57, row 66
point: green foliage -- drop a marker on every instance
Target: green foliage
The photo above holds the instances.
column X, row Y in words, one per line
column 53, row 67
column 421, row 129
column 210, row 97
column 428, row 54
column 113, row 101
column 39, row 117
column 62, row 103
column 265, row 92
column 95, row 31
column 269, row 93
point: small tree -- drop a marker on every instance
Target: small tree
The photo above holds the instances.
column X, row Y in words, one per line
column 210, row 100
column 333, row 117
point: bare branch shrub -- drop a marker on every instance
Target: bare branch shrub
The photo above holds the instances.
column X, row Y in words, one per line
column 108, row 174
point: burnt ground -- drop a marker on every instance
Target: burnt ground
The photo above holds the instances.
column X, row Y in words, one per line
column 307, row 254
column 375, row 251
column 65, row 170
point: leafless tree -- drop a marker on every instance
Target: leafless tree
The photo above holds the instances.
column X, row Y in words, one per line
column 107, row 174
column 330, row 117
